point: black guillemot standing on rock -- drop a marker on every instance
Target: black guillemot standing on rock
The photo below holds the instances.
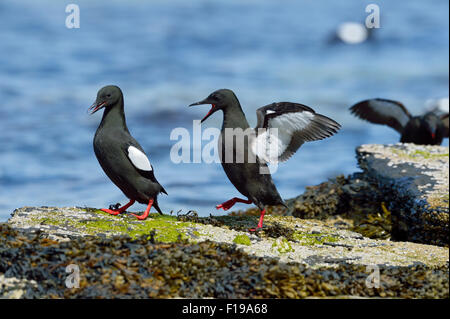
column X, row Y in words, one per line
column 121, row 156
column 427, row 129
column 282, row 128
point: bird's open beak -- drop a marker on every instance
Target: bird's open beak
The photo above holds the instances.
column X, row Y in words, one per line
column 96, row 106
column 211, row 111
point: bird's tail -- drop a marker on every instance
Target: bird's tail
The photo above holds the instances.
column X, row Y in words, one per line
column 155, row 204
column 162, row 190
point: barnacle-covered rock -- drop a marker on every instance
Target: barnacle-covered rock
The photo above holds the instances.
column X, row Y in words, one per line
column 122, row 267
column 286, row 238
column 414, row 181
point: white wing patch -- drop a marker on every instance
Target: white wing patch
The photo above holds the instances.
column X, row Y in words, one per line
column 270, row 144
column 270, row 112
column 139, row 159
column 390, row 109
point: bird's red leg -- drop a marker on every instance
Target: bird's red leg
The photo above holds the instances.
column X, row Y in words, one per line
column 120, row 210
column 230, row 203
column 260, row 224
column 147, row 211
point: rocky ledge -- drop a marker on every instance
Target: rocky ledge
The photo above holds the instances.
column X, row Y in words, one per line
column 414, row 180
column 192, row 257
column 339, row 241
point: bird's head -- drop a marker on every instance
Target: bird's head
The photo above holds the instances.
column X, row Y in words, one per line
column 219, row 100
column 106, row 97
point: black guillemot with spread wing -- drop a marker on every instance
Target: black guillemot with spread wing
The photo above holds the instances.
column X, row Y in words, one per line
column 120, row 155
column 427, row 129
column 282, row 128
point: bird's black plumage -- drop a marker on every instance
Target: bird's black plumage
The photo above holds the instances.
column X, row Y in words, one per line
column 116, row 150
column 427, row 129
column 296, row 124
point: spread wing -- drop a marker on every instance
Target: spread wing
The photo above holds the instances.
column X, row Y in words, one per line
column 283, row 127
column 444, row 119
column 382, row 111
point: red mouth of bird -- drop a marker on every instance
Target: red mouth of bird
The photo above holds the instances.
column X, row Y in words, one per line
column 209, row 113
column 95, row 107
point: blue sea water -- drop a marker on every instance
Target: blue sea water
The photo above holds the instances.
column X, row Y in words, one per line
column 167, row 54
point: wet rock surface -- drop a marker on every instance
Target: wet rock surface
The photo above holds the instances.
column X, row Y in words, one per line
column 414, row 181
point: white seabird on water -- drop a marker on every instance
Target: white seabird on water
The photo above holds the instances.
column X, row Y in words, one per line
column 352, row 33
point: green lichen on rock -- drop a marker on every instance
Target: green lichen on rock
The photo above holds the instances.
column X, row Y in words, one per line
column 282, row 245
column 421, row 154
column 242, row 240
column 428, row 155
column 306, row 239
column 417, row 154
column 164, row 228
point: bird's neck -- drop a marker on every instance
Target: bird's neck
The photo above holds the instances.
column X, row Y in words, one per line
column 234, row 117
column 114, row 116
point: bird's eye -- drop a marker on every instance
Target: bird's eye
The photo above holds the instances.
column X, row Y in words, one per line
column 108, row 95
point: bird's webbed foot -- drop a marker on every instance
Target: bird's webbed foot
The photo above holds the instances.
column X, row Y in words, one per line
column 116, row 209
column 230, row 203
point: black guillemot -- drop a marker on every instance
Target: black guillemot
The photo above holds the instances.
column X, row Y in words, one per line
column 281, row 129
column 120, row 155
column 427, row 129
